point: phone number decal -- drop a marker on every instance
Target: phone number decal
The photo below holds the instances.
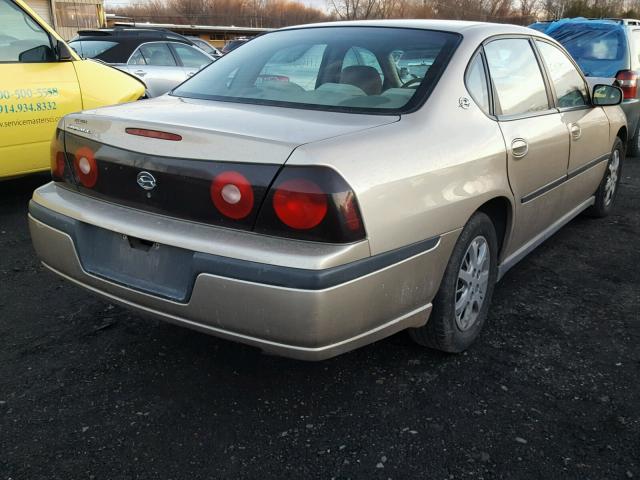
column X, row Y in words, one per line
column 28, row 93
column 28, row 107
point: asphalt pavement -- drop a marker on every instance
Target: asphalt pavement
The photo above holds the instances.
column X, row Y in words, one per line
column 551, row 390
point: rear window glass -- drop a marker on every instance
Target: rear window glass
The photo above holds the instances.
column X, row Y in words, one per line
column 331, row 68
column 91, row 48
column 599, row 48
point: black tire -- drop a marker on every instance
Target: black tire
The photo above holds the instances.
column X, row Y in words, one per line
column 603, row 204
column 633, row 146
column 442, row 331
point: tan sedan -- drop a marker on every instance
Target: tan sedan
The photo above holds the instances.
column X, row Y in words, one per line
column 326, row 186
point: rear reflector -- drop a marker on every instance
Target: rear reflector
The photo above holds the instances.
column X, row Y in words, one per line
column 143, row 132
column 627, row 80
column 85, row 167
column 232, row 195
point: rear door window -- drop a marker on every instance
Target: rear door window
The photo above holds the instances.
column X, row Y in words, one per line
column 158, row 54
column 189, row 56
column 517, row 77
column 570, row 88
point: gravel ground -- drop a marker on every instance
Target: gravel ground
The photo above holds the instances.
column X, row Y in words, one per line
column 551, row 389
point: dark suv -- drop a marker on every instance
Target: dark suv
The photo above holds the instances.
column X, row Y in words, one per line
column 608, row 51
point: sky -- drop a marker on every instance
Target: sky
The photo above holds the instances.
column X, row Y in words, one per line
column 321, row 4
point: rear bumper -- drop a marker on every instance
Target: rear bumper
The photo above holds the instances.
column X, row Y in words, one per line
column 310, row 314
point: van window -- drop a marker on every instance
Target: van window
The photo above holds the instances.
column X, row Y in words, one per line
column 517, row 77
column 21, row 38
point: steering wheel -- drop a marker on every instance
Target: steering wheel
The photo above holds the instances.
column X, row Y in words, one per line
column 411, row 82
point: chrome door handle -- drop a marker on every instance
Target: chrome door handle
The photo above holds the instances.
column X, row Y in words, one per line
column 140, row 73
column 519, row 148
column 576, row 131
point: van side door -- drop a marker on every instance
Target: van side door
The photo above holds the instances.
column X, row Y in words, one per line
column 36, row 90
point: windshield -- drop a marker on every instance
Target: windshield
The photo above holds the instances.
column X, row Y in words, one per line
column 91, row 48
column 599, row 47
column 332, row 68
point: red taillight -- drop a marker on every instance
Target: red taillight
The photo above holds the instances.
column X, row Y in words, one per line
column 627, row 80
column 58, row 163
column 300, row 203
column 86, row 167
column 143, row 132
column 232, row 195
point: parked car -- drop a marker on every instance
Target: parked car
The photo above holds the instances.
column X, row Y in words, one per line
column 310, row 221
column 233, row 44
column 161, row 58
column 206, row 47
column 41, row 80
column 608, row 51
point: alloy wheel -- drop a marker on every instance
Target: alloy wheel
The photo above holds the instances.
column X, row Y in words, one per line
column 472, row 283
column 611, row 183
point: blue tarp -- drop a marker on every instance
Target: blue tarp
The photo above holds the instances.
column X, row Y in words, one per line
column 599, row 46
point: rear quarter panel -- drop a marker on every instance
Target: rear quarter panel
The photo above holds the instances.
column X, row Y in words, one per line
column 424, row 175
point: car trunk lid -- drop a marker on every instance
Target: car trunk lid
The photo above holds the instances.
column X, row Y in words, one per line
column 220, row 131
column 178, row 177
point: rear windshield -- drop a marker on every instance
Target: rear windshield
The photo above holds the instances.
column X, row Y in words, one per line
column 91, row 48
column 359, row 69
column 599, row 48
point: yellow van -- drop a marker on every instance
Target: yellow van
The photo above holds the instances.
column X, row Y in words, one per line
column 41, row 80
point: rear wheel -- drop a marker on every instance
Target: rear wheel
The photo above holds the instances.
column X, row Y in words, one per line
column 608, row 189
column 634, row 143
column 462, row 303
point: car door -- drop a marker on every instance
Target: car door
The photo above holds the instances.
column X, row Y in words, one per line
column 536, row 138
column 192, row 59
column 588, row 126
column 156, row 65
column 36, row 90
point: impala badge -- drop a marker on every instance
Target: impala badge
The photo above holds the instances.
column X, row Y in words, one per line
column 147, row 181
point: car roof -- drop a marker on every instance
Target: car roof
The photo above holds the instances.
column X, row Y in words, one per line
column 123, row 33
column 127, row 40
column 456, row 26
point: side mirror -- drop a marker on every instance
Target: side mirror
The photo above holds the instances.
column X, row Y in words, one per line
column 39, row 54
column 64, row 54
column 606, row 95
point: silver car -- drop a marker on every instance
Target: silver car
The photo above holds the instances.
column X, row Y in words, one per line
column 302, row 197
column 162, row 60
